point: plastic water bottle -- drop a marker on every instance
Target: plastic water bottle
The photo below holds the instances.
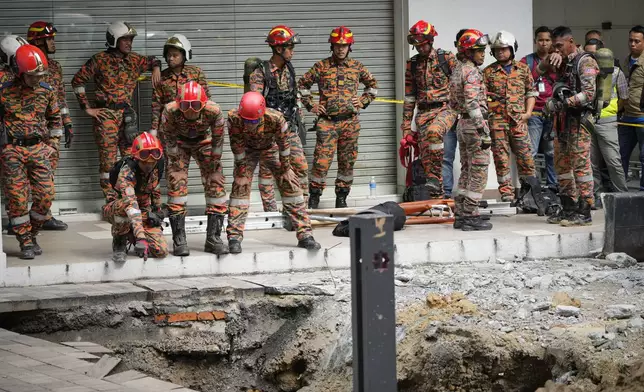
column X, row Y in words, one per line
column 372, row 188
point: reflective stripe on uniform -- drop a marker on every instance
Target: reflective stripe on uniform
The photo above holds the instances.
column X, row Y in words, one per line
column 216, row 200
column 265, row 181
column 56, row 132
column 105, row 176
column 178, row 200
column 217, row 151
column 293, row 199
column 64, row 111
column 437, row 146
column 410, row 99
column 286, row 152
column 121, row 219
column 503, row 178
column 584, row 178
column 371, row 90
column 344, row 178
column 79, row 90
column 153, row 132
column 305, row 93
column 20, row 220
column 318, row 180
column 239, row 202
column 37, row 216
column 473, row 195
column 565, row 176
column 582, row 98
column 132, row 212
column 173, row 150
column 476, row 113
column 239, row 157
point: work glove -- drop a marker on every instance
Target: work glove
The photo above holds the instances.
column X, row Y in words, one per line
column 69, row 135
column 141, row 248
column 486, row 140
column 155, row 219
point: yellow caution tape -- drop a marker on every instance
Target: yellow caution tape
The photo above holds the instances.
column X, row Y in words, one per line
column 631, row 124
column 235, row 85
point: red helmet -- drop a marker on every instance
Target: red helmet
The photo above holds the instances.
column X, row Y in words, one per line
column 192, row 97
column 420, row 33
column 31, row 60
column 341, row 35
column 282, row 35
column 40, row 30
column 472, row 39
column 252, row 106
column 147, row 147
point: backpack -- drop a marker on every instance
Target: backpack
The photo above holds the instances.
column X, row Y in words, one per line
column 386, row 208
column 442, row 63
column 116, row 169
column 285, row 102
column 603, row 84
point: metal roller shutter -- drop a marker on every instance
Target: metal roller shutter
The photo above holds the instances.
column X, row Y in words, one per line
column 223, row 34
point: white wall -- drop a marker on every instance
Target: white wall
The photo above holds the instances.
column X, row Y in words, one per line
column 584, row 15
column 488, row 16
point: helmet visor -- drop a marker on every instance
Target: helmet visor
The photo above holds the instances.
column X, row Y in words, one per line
column 482, row 42
column 418, row 39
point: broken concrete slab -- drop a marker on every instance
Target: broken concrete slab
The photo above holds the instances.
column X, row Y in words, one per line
column 620, row 311
column 624, row 214
column 122, row 378
column 103, row 367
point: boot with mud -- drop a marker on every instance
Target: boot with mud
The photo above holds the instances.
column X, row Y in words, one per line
column 581, row 217
column 568, row 208
column 434, row 189
column 308, row 243
column 531, row 184
column 234, row 247
column 119, row 248
column 179, row 241
column 475, row 223
column 214, row 243
column 314, row 197
column 53, row 224
column 341, row 195
column 458, row 214
column 26, row 247
column 37, row 248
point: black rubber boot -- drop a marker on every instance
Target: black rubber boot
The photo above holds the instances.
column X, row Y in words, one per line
column 214, row 243
column 567, row 210
column 179, row 241
column 234, row 247
column 341, row 197
column 532, row 185
column 37, row 248
column 458, row 215
column 314, row 197
column 26, row 247
column 308, row 243
column 53, row 224
column 119, row 248
column 475, row 223
column 581, row 217
column 458, row 221
column 10, row 228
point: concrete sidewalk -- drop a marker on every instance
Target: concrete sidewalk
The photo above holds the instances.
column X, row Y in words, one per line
column 83, row 252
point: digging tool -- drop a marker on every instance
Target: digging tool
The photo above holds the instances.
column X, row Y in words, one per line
column 288, row 225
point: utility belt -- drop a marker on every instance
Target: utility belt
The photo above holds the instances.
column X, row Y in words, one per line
column 191, row 140
column 112, row 106
column 24, row 142
column 339, row 117
column 431, row 105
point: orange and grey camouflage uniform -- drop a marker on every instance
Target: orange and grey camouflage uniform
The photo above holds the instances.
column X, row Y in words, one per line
column 298, row 159
column 337, row 83
column 427, row 89
column 6, row 74
column 508, row 93
column 268, row 143
column 115, row 80
column 128, row 207
column 573, row 141
column 468, row 98
column 202, row 139
column 55, row 79
column 31, row 116
column 168, row 89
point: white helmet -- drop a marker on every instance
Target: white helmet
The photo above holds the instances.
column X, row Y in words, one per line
column 9, row 45
column 118, row 30
column 503, row 39
column 180, row 42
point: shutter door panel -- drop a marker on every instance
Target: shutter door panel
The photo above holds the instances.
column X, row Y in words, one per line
column 223, row 35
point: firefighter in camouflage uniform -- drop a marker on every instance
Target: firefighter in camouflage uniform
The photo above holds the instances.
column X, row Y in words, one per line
column 258, row 134
column 30, row 116
column 176, row 52
column 338, row 125
column 41, row 34
column 134, row 202
column 427, row 89
column 115, row 73
column 468, row 98
column 511, row 95
column 275, row 79
column 572, row 104
column 193, row 126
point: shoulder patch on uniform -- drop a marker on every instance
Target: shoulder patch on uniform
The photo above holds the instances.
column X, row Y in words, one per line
column 46, row 85
column 472, row 76
column 590, row 71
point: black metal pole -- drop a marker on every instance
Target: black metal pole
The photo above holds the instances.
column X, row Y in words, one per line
column 373, row 303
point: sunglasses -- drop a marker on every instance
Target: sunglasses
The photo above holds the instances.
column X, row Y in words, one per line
column 148, row 155
column 194, row 105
